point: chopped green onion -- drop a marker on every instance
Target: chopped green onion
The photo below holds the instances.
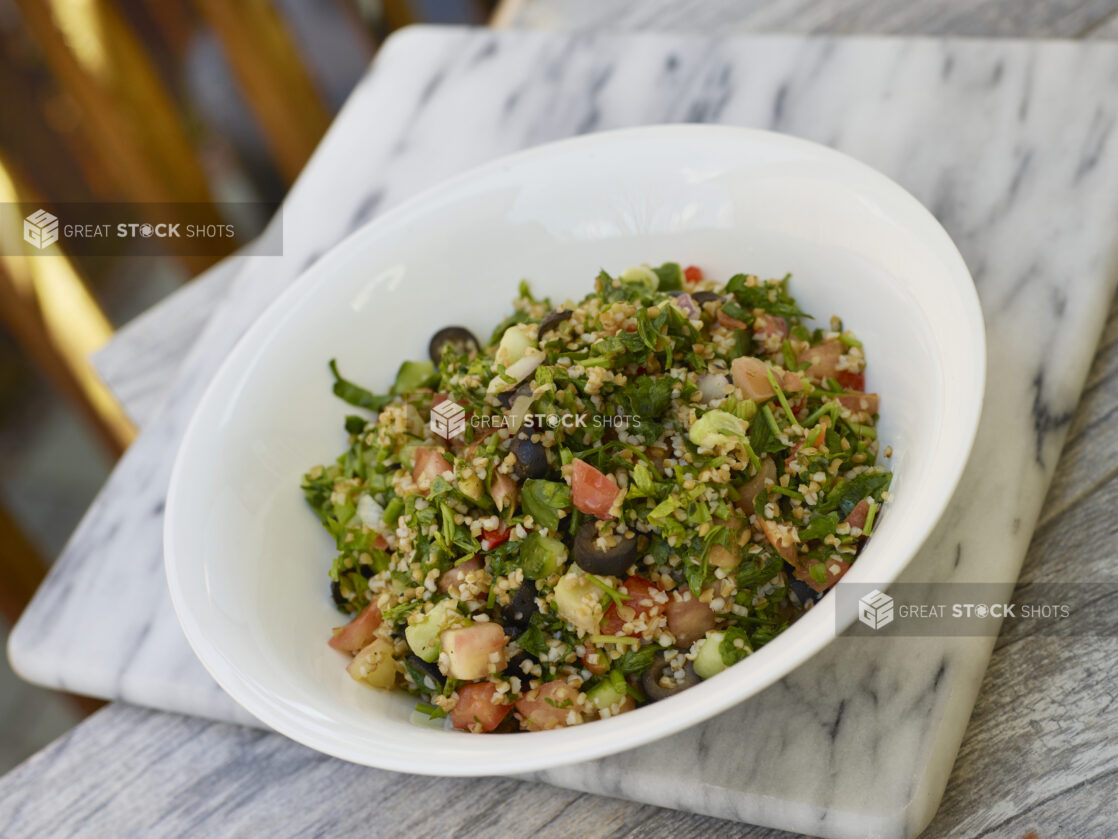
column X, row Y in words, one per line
column 868, row 526
column 433, row 711
column 790, row 362
column 791, row 493
column 780, row 395
column 613, row 594
column 767, row 413
column 864, row 430
column 754, row 461
column 614, row 639
column 392, row 510
column 826, row 408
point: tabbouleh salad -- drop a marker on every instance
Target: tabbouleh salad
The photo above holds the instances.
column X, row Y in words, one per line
column 623, row 496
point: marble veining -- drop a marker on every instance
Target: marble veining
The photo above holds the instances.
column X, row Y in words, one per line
column 1005, row 141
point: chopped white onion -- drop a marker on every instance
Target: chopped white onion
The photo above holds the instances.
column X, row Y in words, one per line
column 519, row 371
column 369, row 511
column 712, row 386
column 687, row 304
column 519, row 410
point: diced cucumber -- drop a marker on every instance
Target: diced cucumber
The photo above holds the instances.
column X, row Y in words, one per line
column 468, row 483
column 514, row 344
column 413, row 375
column 745, row 409
column 374, row 665
column 709, row 660
column 423, row 637
column 716, row 427
column 641, row 278
column 407, row 454
column 413, row 422
column 541, row 556
column 607, row 693
column 670, row 276
column 573, row 604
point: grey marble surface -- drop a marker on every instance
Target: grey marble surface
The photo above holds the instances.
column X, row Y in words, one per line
column 969, row 18
column 1019, row 144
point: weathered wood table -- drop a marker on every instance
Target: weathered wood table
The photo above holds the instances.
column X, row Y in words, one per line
column 1040, row 751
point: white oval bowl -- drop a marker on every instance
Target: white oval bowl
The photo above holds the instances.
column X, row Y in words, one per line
column 246, row 559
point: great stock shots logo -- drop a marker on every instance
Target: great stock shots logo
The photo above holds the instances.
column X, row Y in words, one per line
column 40, row 229
column 875, row 609
column 120, row 229
column 448, row 420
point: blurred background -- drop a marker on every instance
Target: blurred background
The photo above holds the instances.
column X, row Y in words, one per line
column 135, row 101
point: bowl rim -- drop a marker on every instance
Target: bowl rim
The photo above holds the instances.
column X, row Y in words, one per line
column 564, row 746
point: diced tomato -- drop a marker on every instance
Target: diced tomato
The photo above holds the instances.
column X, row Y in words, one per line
column 755, row 484
column 751, row 376
column 639, row 600
column 358, row 632
column 475, row 651
column 594, row 660
column 823, row 358
column 454, row 578
column 689, row 620
column 693, row 274
column 429, row 464
column 612, row 622
column 798, row 406
column 618, row 327
column 476, row 708
column 859, row 402
column 815, row 439
column 492, row 538
column 380, row 542
column 780, row 539
column 729, row 322
column 766, row 327
column 504, row 491
column 549, row 706
column 592, row 492
column 857, row 517
column 851, row 381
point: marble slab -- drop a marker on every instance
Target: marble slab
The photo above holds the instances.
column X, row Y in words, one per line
column 1006, row 142
column 140, row 363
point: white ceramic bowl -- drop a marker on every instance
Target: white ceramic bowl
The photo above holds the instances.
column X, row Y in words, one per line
column 247, row 560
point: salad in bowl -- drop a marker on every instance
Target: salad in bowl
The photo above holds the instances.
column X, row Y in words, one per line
column 601, row 504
